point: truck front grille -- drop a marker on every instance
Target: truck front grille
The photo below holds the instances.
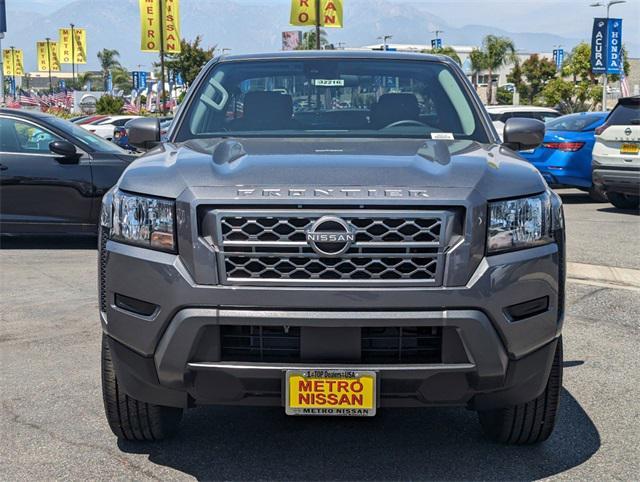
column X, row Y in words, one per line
column 379, row 345
column 388, row 246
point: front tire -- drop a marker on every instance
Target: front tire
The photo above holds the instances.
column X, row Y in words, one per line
column 128, row 418
column 597, row 195
column 530, row 422
column 624, row 201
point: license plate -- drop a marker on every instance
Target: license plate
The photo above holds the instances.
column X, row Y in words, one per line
column 346, row 393
column 629, row 148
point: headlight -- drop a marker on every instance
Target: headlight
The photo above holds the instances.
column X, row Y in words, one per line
column 143, row 221
column 519, row 223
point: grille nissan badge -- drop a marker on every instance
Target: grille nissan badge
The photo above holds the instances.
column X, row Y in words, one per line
column 628, row 131
column 330, row 236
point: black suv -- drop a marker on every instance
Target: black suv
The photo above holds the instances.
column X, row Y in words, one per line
column 333, row 233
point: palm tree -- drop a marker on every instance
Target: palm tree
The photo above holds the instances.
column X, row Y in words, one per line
column 497, row 51
column 84, row 79
column 446, row 50
column 478, row 64
column 108, row 61
column 309, row 40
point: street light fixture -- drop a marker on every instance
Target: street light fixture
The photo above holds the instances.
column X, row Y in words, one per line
column 384, row 39
column 608, row 4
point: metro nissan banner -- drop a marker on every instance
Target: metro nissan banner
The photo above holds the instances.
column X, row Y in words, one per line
column 157, row 15
column 606, row 46
column 303, row 12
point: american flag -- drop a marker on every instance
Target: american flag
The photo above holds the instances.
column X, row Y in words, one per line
column 130, row 108
column 13, row 104
column 624, row 85
column 28, row 99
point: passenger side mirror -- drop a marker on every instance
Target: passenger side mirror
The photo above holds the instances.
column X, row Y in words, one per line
column 144, row 133
column 67, row 151
column 521, row 134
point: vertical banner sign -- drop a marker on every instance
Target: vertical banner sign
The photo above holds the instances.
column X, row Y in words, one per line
column 7, row 62
column 436, row 43
column 136, row 79
column 150, row 19
column 303, row 13
column 48, row 57
column 558, row 58
column 606, row 46
column 171, row 26
column 64, row 45
column 80, row 45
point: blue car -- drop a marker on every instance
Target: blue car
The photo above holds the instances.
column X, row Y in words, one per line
column 564, row 159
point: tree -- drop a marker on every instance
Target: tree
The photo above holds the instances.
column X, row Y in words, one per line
column 446, row 50
column 309, row 40
column 516, row 78
column 571, row 97
column 108, row 104
column 497, row 51
column 108, row 61
column 84, row 80
column 478, row 64
column 578, row 64
column 538, row 72
column 190, row 60
column 121, row 79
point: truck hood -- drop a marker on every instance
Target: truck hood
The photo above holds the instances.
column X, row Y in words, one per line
column 433, row 165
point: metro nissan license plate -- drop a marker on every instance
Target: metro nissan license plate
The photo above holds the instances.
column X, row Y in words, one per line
column 629, row 148
column 347, row 393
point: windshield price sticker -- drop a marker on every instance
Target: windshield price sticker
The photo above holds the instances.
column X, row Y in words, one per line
column 442, row 136
column 328, row 82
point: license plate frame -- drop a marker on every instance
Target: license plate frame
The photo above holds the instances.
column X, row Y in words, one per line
column 367, row 378
column 632, row 148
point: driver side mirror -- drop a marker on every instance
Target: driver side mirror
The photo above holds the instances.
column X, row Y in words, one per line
column 67, row 151
column 144, row 133
column 521, row 133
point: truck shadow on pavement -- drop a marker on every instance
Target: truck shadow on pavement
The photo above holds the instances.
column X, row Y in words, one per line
column 48, row 242
column 425, row 444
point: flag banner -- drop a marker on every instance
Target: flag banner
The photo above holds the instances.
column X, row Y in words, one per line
column 47, row 56
column 64, row 45
column 606, row 46
column 69, row 48
column 303, row 12
column 80, row 45
column 150, row 18
column 12, row 62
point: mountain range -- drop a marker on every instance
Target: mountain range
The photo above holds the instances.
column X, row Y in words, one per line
column 245, row 27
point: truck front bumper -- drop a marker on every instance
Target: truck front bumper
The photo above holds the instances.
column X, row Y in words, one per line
column 623, row 179
column 172, row 355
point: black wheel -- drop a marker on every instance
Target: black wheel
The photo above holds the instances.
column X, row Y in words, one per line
column 598, row 195
column 131, row 419
column 531, row 422
column 624, row 201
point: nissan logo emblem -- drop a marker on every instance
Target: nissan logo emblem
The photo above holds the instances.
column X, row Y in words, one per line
column 627, row 131
column 330, row 236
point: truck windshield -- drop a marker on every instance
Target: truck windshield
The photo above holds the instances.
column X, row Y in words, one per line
column 334, row 98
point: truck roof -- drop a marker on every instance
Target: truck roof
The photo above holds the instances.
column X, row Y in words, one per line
column 335, row 54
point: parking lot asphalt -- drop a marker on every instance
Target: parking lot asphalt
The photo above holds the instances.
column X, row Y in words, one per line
column 52, row 424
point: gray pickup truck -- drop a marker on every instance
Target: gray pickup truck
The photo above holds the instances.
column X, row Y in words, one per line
column 333, row 233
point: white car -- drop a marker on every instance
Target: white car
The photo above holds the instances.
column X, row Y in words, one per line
column 616, row 154
column 105, row 127
column 500, row 113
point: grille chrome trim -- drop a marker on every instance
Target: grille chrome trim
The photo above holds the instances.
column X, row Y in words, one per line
column 396, row 247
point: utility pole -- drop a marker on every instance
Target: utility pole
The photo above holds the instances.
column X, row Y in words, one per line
column 49, row 63
column 318, row 45
column 13, row 69
column 73, row 58
column 161, row 89
column 604, row 80
column 1, row 69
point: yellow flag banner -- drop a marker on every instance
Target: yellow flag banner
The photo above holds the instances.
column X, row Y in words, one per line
column 64, row 46
column 7, row 65
column 68, row 48
column 150, row 25
column 80, row 45
column 47, row 56
column 303, row 13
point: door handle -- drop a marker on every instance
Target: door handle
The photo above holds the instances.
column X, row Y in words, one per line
column 3, row 167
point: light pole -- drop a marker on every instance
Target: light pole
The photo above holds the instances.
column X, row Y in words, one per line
column 73, row 57
column 604, row 81
column 48, row 39
column 384, row 39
